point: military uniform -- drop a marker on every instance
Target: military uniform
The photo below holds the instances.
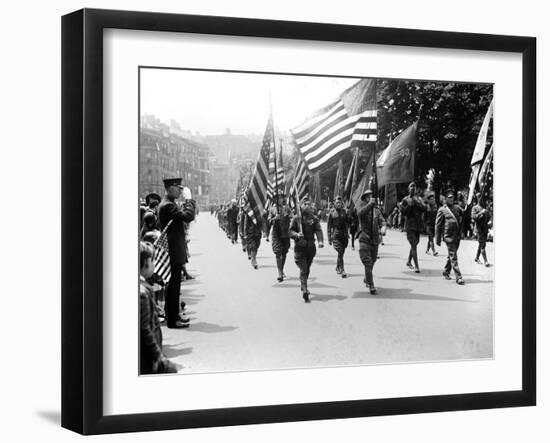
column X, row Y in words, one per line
column 481, row 217
column 448, row 225
column 429, row 222
column 177, row 249
column 338, row 235
column 369, row 240
column 252, row 236
column 412, row 208
column 232, row 213
column 279, row 225
column 304, row 248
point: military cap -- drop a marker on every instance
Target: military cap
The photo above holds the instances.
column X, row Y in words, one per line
column 364, row 194
column 338, row 199
column 449, row 192
column 173, row 182
column 152, row 195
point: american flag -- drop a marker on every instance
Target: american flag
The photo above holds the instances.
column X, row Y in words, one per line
column 161, row 257
column 256, row 193
column 485, row 179
column 349, row 121
column 300, row 184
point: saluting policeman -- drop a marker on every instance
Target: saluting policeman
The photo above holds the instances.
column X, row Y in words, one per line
column 177, row 244
column 303, row 230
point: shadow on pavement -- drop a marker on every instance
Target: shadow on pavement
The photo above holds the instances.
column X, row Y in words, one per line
column 174, row 351
column 405, row 294
column 324, row 298
column 210, row 328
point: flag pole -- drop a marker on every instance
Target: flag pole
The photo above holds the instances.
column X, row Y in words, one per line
column 275, row 156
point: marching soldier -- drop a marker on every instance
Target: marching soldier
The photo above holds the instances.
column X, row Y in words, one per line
column 304, row 229
column 369, row 237
column 252, row 236
column 412, row 208
column 429, row 219
column 481, row 218
column 279, row 224
column 177, row 244
column 338, row 233
column 232, row 213
column 448, row 225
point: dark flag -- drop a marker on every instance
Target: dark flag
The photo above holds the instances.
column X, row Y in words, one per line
column 396, row 164
column 364, row 183
column 486, row 174
column 348, row 122
column 256, row 195
column 339, row 182
column 351, row 180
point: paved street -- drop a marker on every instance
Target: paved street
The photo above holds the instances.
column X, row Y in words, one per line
column 243, row 319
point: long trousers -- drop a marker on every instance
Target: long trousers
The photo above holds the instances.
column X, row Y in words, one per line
column 368, row 253
column 171, row 306
column 413, row 237
column 303, row 257
column 452, row 259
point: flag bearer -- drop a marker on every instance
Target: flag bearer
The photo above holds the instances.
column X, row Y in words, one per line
column 412, row 208
column 369, row 237
column 448, row 225
column 338, row 233
column 303, row 229
column 252, row 236
column 279, row 224
column 481, row 217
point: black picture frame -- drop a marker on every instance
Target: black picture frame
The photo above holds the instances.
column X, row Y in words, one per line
column 82, row 230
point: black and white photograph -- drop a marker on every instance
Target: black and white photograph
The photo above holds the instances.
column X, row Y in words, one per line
column 293, row 221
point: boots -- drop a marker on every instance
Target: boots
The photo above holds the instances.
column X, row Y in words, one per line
column 305, row 292
column 279, row 261
column 253, row 260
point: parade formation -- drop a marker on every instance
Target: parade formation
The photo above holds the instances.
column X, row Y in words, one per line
column 283, row 207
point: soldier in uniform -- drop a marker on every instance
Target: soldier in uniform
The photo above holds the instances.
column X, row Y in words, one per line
column 177, row 244
column 369, row 238
column 448, row 225
column 481, row 217
column 252, row 237
column 303, row 230
column 429, row 222
column 338, row 232
column 412, row 208
column 279, row 223
column 232, row 213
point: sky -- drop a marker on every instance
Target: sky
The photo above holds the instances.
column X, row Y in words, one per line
column 209, row 102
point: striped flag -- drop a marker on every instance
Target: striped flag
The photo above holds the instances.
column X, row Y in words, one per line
column 486, row 171
column 349, row 121
column 256, row 193
column 479, row 152
column 161, row 257
column 301, row 178
column 339, row 182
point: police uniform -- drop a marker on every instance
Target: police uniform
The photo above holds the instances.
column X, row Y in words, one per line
column 177, row 246
column 448, row 225
column 338, row 234
column 369, row 239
